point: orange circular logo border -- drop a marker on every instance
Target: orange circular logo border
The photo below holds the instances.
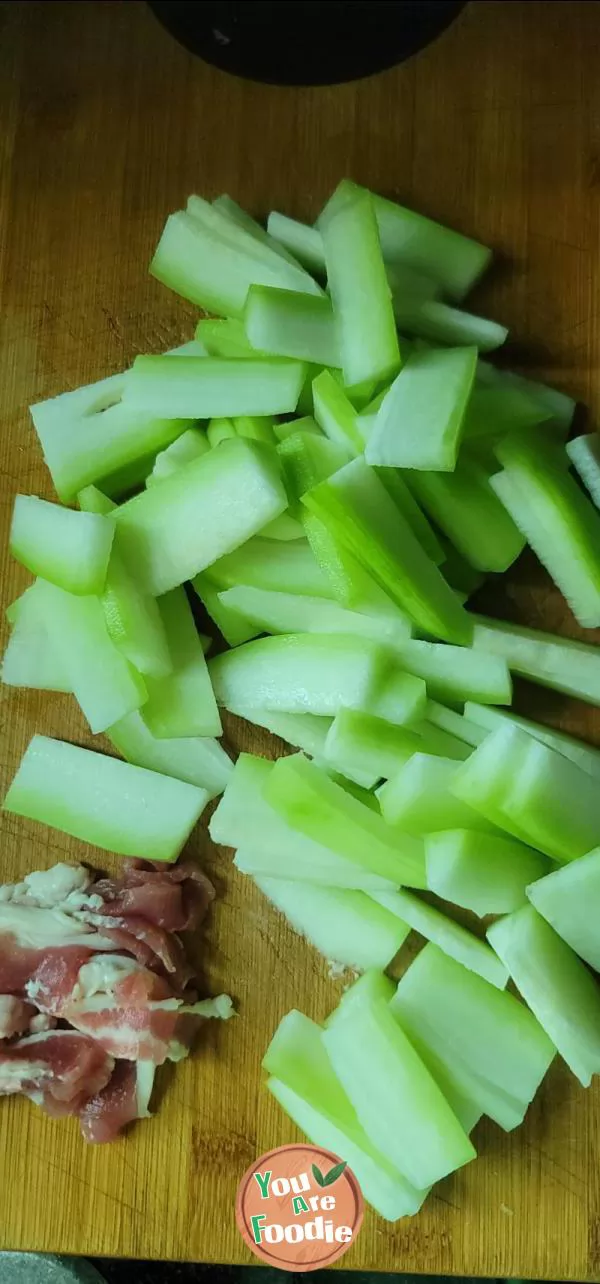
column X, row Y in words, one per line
column 307, row 1155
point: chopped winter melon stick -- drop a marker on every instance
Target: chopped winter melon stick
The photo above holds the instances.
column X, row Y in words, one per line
column 214, row 269
column 104, row 801
column 93, row 500
column 133, row 619
column 450, row 673
column 359, row 741
column 436, row 321
column 558, row 520
column 283, row 528
column 199, row 760
column 182, row 703
column 306, row 731
column 397, row 1101
column 288, row 324
column 200, row 387
column 454, row 261
column 461, row 726
column 295, row 613
column 554, row 801
column 220, row 429
column 572, row 667
column 490, row 1043
column 371, row 985
column 91, row 445
column 484, row 779
column 302, row 240
column 234, row 627
column 335, row 413
column 303, row 1082
column 225, row 205
column 498, row 407
column 406, row 503
column 224, row 338
column 457, row 571
column 349, row 582
column 104, row 684
column 345, row 926
column 68, row 548
column 419, row 424
column 299, row 673
column 291, row 426
column 465, row 507
column 555, row 409
column 451, row 937
column 191, row 445
column 568, row 900
column 306, row 460
column 357, row 281
column 238, row 234
column 482, row 720
column 441, row 743
column 30, row 659
column 584, row 453
column 417, row 796
column 401, row 698
column 200, row 513
column 356, row 507
column 485, row 873
column 268, row 845
column 272, row 566
column 255, row 428
column 555, row 984
column 311, row 802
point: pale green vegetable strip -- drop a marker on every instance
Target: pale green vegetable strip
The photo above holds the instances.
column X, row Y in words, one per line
column 288, row 324
column 556, row 802
column 418, row 796
column 458, row 572
column 466, row 509
column 498, row 406
column 305, row 731
column 482, row 720
column 359, row 289
column 436, row 321
column 283, row 528
column 558, row 520
column 214, row 269
column 303, row 1082
column 68, row 548
column 256, row 428
column 560, row 663
column 290, row 426
column 420, row 423
column 220, row 429
column 484, row 873
column 201, row 387
column 302, row 240
column 335, row 414
column 397, row 1101
column 345, row 926
column 104, row 801
column 307, row 459
column 272, row 567
column 268, row 845
column 200, row 513
column 104, row 684
column 312, row 803
column 400, row 698
column 568, row 900
column 182, row 703
column 555, row 984
column 198, row 760
column 257, row 243
column 451, row 673
column 31, row 659
column 492, row 1047
column 484, row 779
column 224, row 338
column 227, row 206
column 462, row 726
column 192, row 444
column 451, row 937
column 234, row 627
column 93, row 500
column 371, row 985
column 361, row 741
column 584, row 453
column 299, row 673
column 356, row 507
column 296, row 613
column 404, row 500
column 555, row 408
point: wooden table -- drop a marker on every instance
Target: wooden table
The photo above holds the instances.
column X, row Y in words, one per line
column 105, row 126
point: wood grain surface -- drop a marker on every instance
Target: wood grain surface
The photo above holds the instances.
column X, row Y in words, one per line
column 105, row 126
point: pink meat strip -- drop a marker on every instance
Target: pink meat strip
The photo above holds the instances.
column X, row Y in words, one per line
column 138, row 1021
column 60, row 1070
column 105, row 1115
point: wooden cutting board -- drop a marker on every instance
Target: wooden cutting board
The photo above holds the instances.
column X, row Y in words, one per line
column 105, row 126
